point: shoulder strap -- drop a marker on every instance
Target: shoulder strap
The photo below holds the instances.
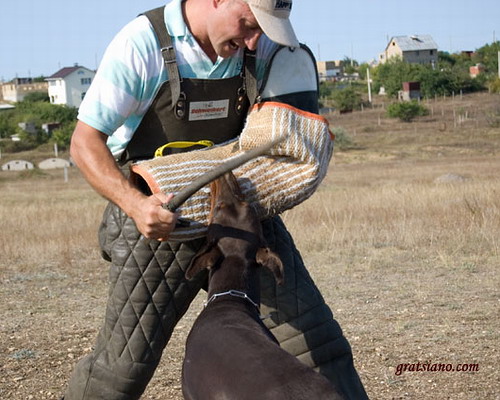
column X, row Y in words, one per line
column 157, row 20
column 250, row 77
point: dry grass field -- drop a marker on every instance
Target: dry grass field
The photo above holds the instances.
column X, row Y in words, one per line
column 403, row 239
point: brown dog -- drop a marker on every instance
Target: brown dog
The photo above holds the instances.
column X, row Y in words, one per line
column 230, row 354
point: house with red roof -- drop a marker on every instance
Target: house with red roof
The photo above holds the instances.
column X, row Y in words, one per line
column 69, row 85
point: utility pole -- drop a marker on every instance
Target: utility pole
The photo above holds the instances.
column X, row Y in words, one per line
column 369, row 85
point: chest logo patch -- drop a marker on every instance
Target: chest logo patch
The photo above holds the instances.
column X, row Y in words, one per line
column 204, row 110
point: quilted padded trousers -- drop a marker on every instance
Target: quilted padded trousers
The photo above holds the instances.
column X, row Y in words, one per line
column 148, row 294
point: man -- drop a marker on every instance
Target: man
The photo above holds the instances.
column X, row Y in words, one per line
column 155, row 70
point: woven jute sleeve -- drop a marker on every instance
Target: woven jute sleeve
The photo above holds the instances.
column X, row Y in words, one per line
column 273, row 183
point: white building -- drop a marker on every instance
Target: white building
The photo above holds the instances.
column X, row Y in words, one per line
column 17, row 165
column 53, row 163
column 69, row 85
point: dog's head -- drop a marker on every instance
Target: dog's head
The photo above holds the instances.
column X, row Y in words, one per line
column 234, row 231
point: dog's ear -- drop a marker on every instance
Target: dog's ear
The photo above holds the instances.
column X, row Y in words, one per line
column 207, row 257
column 269, row 259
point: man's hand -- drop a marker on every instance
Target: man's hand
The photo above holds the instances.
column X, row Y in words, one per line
column 90, row 153
column 151, row 219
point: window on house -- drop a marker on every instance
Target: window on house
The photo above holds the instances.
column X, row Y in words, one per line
column 83, row 94
column 431, row 52
column 85, row 81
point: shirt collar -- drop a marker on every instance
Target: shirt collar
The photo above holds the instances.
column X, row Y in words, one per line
column 175, row 21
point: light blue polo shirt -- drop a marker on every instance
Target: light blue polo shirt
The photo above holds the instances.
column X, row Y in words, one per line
column 132, row 71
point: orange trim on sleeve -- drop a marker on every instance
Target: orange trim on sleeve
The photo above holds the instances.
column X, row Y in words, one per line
column 306, row 114
column 295, row 109
column 144, row 174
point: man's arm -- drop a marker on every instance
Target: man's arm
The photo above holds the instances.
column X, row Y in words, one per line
column 95, row 161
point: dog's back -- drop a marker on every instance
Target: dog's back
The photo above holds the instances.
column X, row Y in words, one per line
column 230, row 354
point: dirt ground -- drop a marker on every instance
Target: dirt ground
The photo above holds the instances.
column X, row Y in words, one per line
column 396, row 305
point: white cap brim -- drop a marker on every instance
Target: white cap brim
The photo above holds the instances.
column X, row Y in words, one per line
column 279, row 30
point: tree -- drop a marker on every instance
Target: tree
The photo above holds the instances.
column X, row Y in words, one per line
column 62, row 135
column 452, row 77
column 445, row 59
column 325, row 89
column 362, row 70
column 347, row 99
column 7, row 124
column 393, row 73
column 350, row 65
column 41, row 112
column 36, row 96
column 38, row 113
column 488, row 56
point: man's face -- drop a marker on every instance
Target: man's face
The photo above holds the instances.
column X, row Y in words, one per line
column 232, row 27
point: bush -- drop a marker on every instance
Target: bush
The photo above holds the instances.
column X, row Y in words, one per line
column 35, row 97
column 406, row 111
column 9, row 146
column 342, row 139
column 494, row 85
column 8, row 125
column 62, row 136
column 347, row 100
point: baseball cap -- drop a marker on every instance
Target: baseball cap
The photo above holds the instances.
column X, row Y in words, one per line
column 273, row 18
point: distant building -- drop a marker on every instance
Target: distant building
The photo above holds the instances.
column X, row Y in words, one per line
column 475, row 70
column 411, row 91
column 329, row 70
column 28, row 127
column 69, row 85
column 53, row 163
column 50, row 127
column 17, row 165
column 415, row 49
column 17, row 89
column 467, row 54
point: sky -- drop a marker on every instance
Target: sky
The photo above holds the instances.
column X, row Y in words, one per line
column 40, row 37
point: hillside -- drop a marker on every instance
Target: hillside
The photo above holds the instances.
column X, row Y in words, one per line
column 402, row 238
column 461, row 126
